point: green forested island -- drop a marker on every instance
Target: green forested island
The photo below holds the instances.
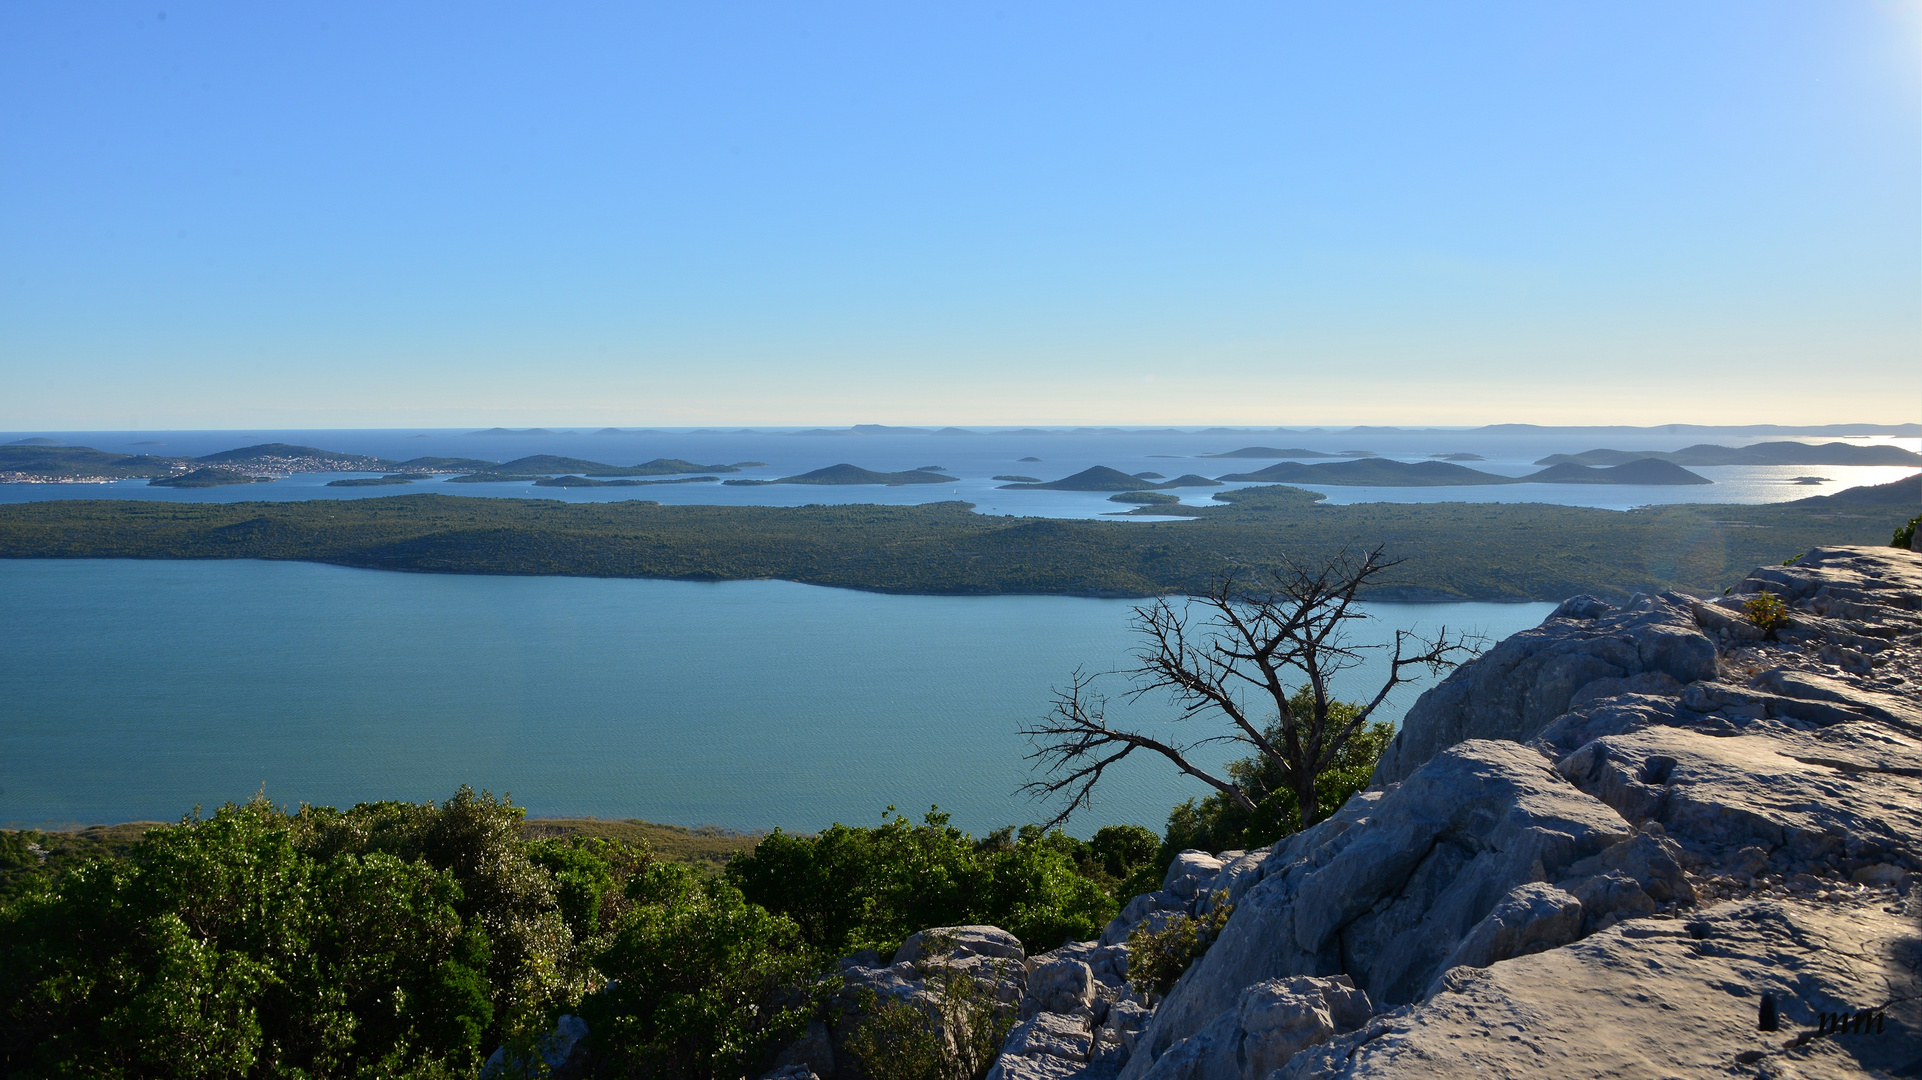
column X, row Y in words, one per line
column 1454, row 551
column 849, row 475
column 1102, row 478
column 206, row 478
column 373, row 481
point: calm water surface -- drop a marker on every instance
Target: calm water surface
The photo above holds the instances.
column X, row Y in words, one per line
column 134, row 690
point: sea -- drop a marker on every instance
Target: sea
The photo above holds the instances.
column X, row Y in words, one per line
column 140, row 690
column 135, row 690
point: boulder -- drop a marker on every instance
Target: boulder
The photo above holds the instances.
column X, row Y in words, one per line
column 1532, row 917
column 1270, row 1022
column 1059, row 986
column 1583, row 651
column 956, row 942
column 1049, row 1033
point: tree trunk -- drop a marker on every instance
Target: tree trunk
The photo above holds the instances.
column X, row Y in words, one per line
column 1307, row 803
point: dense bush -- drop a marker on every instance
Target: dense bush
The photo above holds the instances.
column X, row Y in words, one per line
column 407, row 940
column 699, row 976
column 851, row 888
column 222, row 948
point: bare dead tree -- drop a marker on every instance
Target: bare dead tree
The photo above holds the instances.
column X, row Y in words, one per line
column 1255, row 643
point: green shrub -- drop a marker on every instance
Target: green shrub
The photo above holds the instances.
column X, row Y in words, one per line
column 696, row 975
column 219, row 948
column 1905, row 536
column 1156, row 958
column 957, row 1036
column 851, row 888
column 1767, row 612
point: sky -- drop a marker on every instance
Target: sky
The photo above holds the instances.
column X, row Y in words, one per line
column 396, row 215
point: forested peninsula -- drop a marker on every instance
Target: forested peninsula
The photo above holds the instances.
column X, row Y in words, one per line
column 1454, row 551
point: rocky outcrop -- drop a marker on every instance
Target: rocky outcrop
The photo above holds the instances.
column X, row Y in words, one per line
column 1665, row 998
column 1590, row 853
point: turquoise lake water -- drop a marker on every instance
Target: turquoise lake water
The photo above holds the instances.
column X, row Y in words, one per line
column 135, row 690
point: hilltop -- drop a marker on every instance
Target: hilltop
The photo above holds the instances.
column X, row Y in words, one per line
column 553, row 465
column 1651, row 471
column 1102, row 478
column 845, row 474
column 1270, row 452
column 1373, row 472
column 1770, row 453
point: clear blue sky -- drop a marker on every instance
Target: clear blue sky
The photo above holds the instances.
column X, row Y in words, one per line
column 291, row 214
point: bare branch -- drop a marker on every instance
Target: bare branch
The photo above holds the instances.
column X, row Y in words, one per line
column 1075, row 745
column 1240, row 640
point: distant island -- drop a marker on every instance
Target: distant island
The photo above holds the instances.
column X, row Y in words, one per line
column 1144, row 498
column 553, row 465
column 1372, row 472
column 1386, row 472
column 1808, row 480
column 284, row 459
column 1029, row 459
column 1457, row 457
column 1019, row 479
column 1647, row 471
column 372, row 481
column 1102, row 478
column 41, row 462
column 582, row 481
column 1769, row 453
column 1152, row 475
column 853, row 475
column 1270, row 452
column 206, row 478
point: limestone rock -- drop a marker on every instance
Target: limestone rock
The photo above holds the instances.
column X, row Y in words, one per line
column 954, row 942
column 1059, row 986
column 1269, row 1023
column 1659, row 998
column 1281, row 1017
column 1388, row 888
column 1531, row 918
column 1583, row 651
column 1725, row 794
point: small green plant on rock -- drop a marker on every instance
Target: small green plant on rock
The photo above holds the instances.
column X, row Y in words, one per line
column 1156, row 958
column 1768, row 613
column 956, row 1036
column 1905, row 536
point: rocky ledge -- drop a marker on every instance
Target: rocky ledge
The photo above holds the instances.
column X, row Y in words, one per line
column 1640, row 841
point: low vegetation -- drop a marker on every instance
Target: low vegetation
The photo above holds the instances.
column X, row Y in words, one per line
column 1456, row 551
column 1158, row 956
column 403, row 940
